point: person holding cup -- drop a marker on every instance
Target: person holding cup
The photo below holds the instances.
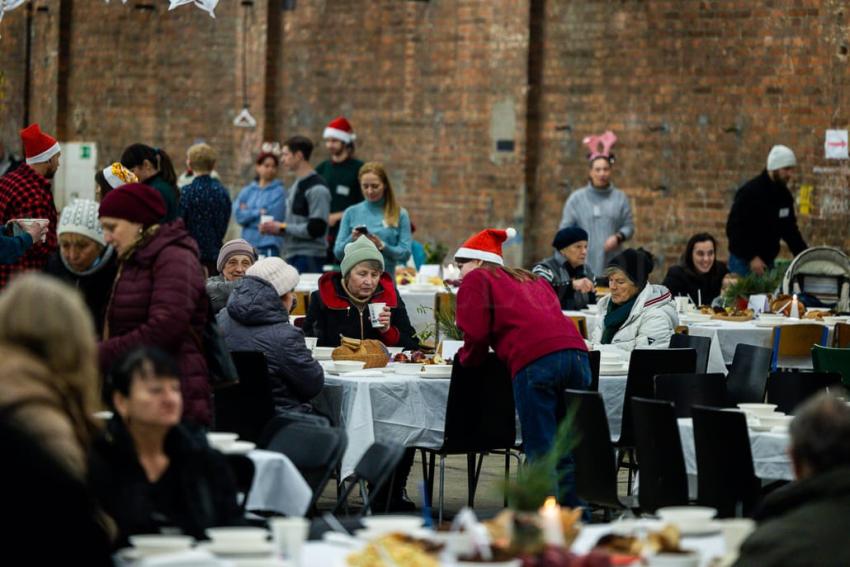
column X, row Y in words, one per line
column 24, row 234
column 257, row 319
column 261, row 201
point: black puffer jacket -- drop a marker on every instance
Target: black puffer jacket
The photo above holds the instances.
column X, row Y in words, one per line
column 332, row 314
column 203, row 487
column 255, row 320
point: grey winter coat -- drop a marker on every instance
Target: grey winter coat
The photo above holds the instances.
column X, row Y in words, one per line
column 219, row 290
column 255, row 320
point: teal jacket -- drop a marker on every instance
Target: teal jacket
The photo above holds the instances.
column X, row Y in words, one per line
column 397, row 239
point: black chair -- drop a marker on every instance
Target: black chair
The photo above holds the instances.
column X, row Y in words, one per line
column 726, row 479
column 595, row 358
column 644, row 365
column 243, row 474
column 700, row 344
column 315, row 451
column 376, row 467
column 687, row 390
column 480, row 419
column 246, row 407
column 663, row 478
column 329, row 403
column 788, row 389
column 747, row 380
column 596, row 464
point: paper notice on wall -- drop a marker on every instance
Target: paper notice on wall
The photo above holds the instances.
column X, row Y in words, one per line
column 805, row 200
column 835, row 145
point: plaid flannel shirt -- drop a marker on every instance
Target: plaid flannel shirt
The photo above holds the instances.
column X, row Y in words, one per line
column 26, row 194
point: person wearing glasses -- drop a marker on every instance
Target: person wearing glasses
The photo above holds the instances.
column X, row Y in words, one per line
column 378, row 218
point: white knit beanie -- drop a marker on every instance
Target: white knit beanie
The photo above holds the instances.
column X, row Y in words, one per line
column 80, row 217
column 779, row 157
column 281, row 275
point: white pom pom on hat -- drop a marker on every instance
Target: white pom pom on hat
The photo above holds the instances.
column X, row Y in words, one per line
column 510, row 232
column 486, row 245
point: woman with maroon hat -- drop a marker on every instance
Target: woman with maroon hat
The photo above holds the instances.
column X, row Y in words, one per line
column 158, row 297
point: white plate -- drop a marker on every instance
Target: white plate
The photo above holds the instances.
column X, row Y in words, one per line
column 228, row 548
column 238, row 448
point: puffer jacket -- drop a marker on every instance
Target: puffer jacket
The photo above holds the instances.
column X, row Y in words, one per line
column 650, row 324
column 158, row 299
column 256, row 320
column 219, row 290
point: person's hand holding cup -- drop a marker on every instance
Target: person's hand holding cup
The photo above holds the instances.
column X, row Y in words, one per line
column 379, row 314
column 36, row 228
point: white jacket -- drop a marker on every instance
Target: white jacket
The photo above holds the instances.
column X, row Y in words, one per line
column 650, row 324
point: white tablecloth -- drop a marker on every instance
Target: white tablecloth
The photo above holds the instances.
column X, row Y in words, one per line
column 770, row 452
column 277, row 486
column 613, row 390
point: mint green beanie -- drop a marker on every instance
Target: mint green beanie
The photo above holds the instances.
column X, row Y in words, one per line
column 358, row 251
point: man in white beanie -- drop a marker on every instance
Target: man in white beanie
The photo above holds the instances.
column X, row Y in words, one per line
column 257, row 319
column 762, row 214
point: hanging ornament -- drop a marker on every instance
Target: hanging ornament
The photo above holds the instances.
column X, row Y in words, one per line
column 205, row 5
column 6, row 5
column 244, row 119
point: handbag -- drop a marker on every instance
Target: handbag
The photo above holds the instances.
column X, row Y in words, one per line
column 370, row 351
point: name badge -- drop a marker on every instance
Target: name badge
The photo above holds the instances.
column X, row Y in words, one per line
column 783, row 213
column 597, row 211
column 343, row 190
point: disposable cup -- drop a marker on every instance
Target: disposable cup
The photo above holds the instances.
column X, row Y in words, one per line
column 376, row 309
column 289, row 535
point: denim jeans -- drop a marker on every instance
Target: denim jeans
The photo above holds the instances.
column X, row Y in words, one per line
column 538, row 392
column 268, row 252
column 740, row 266
column 307, row 264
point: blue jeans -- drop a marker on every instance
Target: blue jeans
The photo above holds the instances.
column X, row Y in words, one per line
column 307, row 264
column 740, row 266
column 538, row 392
column 268, row 251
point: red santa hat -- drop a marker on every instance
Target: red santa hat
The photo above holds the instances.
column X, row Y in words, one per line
column 486, row 245
column 340, row 129
column 38, row 146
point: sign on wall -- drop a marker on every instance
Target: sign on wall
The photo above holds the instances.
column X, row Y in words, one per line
column 835, row 144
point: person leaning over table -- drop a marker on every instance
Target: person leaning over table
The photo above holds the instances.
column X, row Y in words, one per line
column 234, row 258
column 518, row 314
column 699, row 275
column 637, row 314
column 566, row 271
column 805, row 522
column 149, row 471
column 340, row 307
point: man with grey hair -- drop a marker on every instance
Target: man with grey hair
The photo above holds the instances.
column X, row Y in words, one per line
column 805, row 522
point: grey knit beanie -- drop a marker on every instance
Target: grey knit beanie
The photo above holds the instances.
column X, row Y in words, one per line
column 235, row 247
column 358, row 251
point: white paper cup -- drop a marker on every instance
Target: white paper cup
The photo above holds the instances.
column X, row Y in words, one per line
column 266, row 218
column 376, row 309
column 311, row 342
column 16, row 229
column 289, row 535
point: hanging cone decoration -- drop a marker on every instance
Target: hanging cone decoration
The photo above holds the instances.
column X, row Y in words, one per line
column 205, row 5
column 244, row 119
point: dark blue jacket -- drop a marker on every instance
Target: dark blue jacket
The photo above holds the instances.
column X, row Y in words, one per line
column 13, row 247
column 205, row 208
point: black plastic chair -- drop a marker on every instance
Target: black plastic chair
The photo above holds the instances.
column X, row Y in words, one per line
column 243, row 473
column 376, row 467
column 663, row 478
column 747, row 380
column 687, row 390
column 595, row 359
column 480, row 419
column 644, row 365
column 329, row 403
column 596, row 463
column 315, row 451
column 701, row 345
column 246, row 407
column 726, row 479
column 789, row 389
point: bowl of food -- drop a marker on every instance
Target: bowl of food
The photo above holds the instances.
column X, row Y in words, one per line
column 349, row 365
column 220, row 439
column 322, row 352
column 238, row 534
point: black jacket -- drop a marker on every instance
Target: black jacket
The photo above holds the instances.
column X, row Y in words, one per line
column 802, row 524
column 331, row 314
column 95, row 285
column 559, row 273
column 204, row 492
column 681, row 280
column 762, row 213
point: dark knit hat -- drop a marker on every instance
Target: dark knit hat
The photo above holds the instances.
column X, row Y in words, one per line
column 636, row 263
column 135, row 202
column 567, row 236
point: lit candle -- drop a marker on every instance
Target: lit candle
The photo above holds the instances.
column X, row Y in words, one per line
column 553, row 529
column 795, row 308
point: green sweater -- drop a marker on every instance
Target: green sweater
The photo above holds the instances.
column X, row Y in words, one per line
column 342, row 182
column 169, row 194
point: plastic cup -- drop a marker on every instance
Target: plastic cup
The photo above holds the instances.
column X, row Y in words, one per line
column 289, row 535
column 375, row 309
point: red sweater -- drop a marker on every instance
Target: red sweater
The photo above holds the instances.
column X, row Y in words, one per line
column 522, row 321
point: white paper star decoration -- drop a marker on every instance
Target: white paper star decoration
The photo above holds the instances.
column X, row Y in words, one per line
column 205, row 5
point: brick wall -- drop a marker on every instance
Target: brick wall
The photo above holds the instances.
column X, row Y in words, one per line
column 696, row 91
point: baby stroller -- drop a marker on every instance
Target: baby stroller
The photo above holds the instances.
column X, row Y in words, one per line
column 820, row 276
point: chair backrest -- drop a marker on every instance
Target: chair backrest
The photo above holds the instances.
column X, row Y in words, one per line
column 286, row 418
column 797, row 340
column 329, row 403
column 376, row 466
column 480, row 411
column 248, row 406
column 687, row 390
column 581, row 324
column 243, row 473
column 841, row 335
column 663, row 479
column 726, row 478
column 789, row 389
column 825, row 359
column 595, row 359
column 315, row 451
column 644, row 365
column 596, row 464
column 700, row 344
column 747, row 379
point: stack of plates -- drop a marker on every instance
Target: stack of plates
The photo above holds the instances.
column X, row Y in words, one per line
column 612, row 363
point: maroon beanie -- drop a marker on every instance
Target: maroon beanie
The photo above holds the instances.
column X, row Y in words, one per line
column 135, row 202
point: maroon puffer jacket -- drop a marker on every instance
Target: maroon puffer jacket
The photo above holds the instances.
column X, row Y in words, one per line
column 158, row 293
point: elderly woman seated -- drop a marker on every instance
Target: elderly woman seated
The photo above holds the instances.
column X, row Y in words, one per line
column 234, row 258
column 566, row 270
column 257, row 319
column 148, row 471
column 341, row 305
column 637, row 314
